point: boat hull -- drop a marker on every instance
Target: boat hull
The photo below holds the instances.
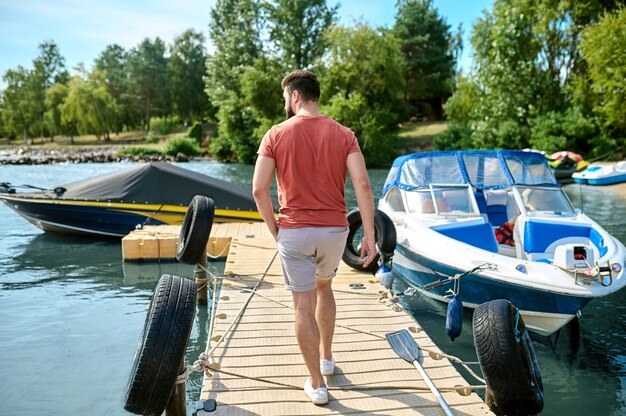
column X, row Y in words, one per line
column 602, row 175
column 609, row 180
column 106, row 218
column 544, row 312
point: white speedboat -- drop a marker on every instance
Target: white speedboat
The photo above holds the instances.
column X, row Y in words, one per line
column 446, row 207
column 602, row 175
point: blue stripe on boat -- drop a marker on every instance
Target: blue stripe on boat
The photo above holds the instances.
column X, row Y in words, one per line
column 476, row 289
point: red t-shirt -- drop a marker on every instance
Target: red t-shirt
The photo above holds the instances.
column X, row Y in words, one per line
column 310, row 156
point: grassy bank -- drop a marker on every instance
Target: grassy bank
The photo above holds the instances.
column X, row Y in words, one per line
column 123, row 138
column 418, row 137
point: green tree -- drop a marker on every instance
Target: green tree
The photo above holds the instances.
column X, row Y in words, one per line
column 527, row 62
column 260, row 87
column 509, row 82
column 235, row 31
column 429, row 49
column 296, row 28
column 55, row 97
column 113, row 63
column 362, row 83
column 89, row 108
column 19, row 115
column 49, row 68
column 186, row 70
column 147, row 67
column 604, row 50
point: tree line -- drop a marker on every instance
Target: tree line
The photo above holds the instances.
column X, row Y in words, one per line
column 372, row 78
column 547, row 74
column 123, row 91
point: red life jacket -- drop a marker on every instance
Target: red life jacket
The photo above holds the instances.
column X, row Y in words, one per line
column 504, row 234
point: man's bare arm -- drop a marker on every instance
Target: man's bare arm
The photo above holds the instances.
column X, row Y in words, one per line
column 363, row 191
column 263, row 175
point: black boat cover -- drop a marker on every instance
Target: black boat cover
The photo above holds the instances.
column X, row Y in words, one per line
column 158, row 183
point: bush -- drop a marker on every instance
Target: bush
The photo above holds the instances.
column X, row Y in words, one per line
column 568, row 130
column 455, row 137
column 196, row 132
column 161, row 125
column 184, row 145
column 139, row 151
column 151, row 137
column 603, row 146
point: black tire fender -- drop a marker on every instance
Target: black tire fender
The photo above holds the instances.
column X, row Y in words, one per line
column 162, row 346
column 385, row 235
column 194, row 234
column 507, row 359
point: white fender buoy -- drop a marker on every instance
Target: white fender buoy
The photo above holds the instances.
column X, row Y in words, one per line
column 384, row 275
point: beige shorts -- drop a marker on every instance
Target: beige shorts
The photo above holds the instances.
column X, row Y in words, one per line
column 310, row 253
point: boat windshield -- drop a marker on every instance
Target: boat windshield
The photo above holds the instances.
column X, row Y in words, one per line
column 537, row 201
column 448, row 200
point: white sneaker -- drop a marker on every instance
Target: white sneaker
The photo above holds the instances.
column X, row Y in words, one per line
column 317, row 396
column 327, row 367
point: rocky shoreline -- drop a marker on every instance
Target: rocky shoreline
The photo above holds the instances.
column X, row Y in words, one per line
column 27, row 155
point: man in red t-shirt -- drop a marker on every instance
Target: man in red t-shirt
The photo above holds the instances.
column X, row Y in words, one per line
column 311, row 155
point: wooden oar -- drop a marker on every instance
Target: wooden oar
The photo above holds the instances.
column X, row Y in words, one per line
column 404, row 345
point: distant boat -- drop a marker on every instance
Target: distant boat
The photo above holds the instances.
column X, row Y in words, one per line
column 564, row 164
column 112, row 205
column 566, row 154
column 602, row 175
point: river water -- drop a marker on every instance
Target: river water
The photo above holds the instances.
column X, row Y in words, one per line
column 71, row 313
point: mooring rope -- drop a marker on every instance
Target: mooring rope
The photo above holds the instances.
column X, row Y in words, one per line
column 460, row 388
column 202, row 364
column 224, row 250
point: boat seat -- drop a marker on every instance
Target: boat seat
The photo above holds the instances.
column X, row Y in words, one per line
column 540, row 238
column 478, row 235
column 482, row 205
column 496, row 206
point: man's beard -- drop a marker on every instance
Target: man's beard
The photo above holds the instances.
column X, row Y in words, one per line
column 288, row 111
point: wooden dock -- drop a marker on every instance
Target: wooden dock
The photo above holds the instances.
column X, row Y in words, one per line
column 259, row 367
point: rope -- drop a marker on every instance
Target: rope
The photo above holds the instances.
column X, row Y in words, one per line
column 243, row 308
column 224, row 250
column 352, row 387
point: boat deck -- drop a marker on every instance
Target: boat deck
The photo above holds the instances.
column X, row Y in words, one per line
column 260, row 369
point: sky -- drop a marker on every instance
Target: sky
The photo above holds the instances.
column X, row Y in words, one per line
column 83, row 28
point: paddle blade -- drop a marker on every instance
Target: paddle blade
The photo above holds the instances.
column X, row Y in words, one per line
column 403, row 344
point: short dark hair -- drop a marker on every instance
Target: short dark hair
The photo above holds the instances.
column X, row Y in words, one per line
column 305, row 82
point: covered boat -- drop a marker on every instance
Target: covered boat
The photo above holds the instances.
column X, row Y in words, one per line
column 602, row 174
column 114, row 204
column 498, row 223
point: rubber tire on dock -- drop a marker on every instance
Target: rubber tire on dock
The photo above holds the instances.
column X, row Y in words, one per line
column 162, row 347
column 510, row 367
column 196, row 229
column 385, row 235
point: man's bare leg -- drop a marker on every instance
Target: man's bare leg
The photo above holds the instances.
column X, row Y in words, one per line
column 307, row 333
column 325, row 313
